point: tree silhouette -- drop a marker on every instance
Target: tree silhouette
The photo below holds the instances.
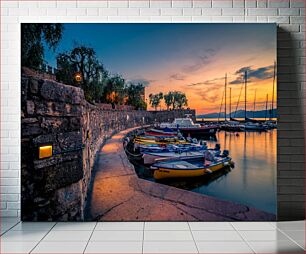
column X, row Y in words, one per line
column 33, row 38
column 135, row 93
column 155, row 99
column 180, row 99
column 168, row 98
column 83, row 60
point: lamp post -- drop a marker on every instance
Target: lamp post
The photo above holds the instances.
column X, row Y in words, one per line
column 78, row 77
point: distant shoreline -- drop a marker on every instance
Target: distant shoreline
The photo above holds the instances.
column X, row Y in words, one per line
column 214, row 119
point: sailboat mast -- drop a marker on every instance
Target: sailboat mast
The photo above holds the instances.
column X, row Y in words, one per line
column 272, row 103
column 225, row 97
column 266, row 108
column 245, row 94
column 230, row 104
column 238, row 100
column 220, row 107
column 254, row 103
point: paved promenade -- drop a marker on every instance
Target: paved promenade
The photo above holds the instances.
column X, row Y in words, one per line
column 118, row 194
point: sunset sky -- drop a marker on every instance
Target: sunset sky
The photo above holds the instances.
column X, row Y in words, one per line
column 192, row 58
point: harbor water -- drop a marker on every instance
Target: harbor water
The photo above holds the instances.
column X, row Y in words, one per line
column 251, row 182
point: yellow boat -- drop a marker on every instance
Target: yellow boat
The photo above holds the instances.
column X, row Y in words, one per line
column 146, row 141
column 193, row 167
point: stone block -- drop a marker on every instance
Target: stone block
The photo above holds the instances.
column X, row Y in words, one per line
column 31, row 129
column 34, row 85
column 69, row 203
column 30, row 107
column 68, row 141
column 54, row 124
column 44, row 139
column 75, row 123
column 62, row 175
column 54, row 91
column 56, row 159
column 48, row 108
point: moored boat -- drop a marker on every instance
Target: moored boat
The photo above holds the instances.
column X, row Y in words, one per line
column 254, row 127
column 190, row 167
column 151, row 158
column 188, row 152
column 143, row 140
column 188, row 128
column 172, row 147
column 166, row 132
column 232, row 126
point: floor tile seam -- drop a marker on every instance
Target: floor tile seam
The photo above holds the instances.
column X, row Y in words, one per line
column 14, row 225
column 290, row 238
column 244, row 240
column 143, row 231
column 31, row 251
column 90, row 237
column 193, row 238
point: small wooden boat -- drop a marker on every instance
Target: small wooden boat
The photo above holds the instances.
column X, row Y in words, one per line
column 155, row 148
column 159, row 141
column 193, row 167
column 151, row 158
column 166, row 132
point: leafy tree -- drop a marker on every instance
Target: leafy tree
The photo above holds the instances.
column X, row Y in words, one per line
column 33, row 38
column 83, row 60
column 168, row 99
column 155, row 99
column 180, row 100
column 135, row 93
column 114, row 92
column 95, row 92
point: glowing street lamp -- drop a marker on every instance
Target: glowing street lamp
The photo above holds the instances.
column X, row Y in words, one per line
column 78, row 77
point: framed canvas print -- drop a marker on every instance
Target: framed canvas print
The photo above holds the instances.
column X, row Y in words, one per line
column 148, row 122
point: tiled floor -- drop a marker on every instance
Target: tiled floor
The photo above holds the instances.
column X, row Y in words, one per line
column 152, row 237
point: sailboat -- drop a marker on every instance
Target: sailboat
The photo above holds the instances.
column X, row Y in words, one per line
column 270, row 123
column 250, row 124
column 233, row 118
column 252, row 120
column 231, row 125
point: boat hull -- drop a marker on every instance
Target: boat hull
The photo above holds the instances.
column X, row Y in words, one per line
column 197, row 131
column 147, row 141
column 232, row 128
column 151, row 158
column 163, row 173
column 254, row 128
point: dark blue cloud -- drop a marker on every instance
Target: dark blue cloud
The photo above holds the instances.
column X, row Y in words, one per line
column 261, row 73
column 207, row 82
column 201, row 59
column 177, row 76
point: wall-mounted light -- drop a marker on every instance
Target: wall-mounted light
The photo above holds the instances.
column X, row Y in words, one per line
column 45, row 151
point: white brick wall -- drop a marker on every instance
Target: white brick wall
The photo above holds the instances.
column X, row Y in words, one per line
column 290, row 14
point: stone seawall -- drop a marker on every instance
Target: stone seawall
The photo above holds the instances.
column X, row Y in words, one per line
column 118, row 194
column 55, row 188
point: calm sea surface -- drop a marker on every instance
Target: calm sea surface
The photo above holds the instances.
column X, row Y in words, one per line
column 253, row 179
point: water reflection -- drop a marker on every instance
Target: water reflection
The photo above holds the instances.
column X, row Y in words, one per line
column 253, row 180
